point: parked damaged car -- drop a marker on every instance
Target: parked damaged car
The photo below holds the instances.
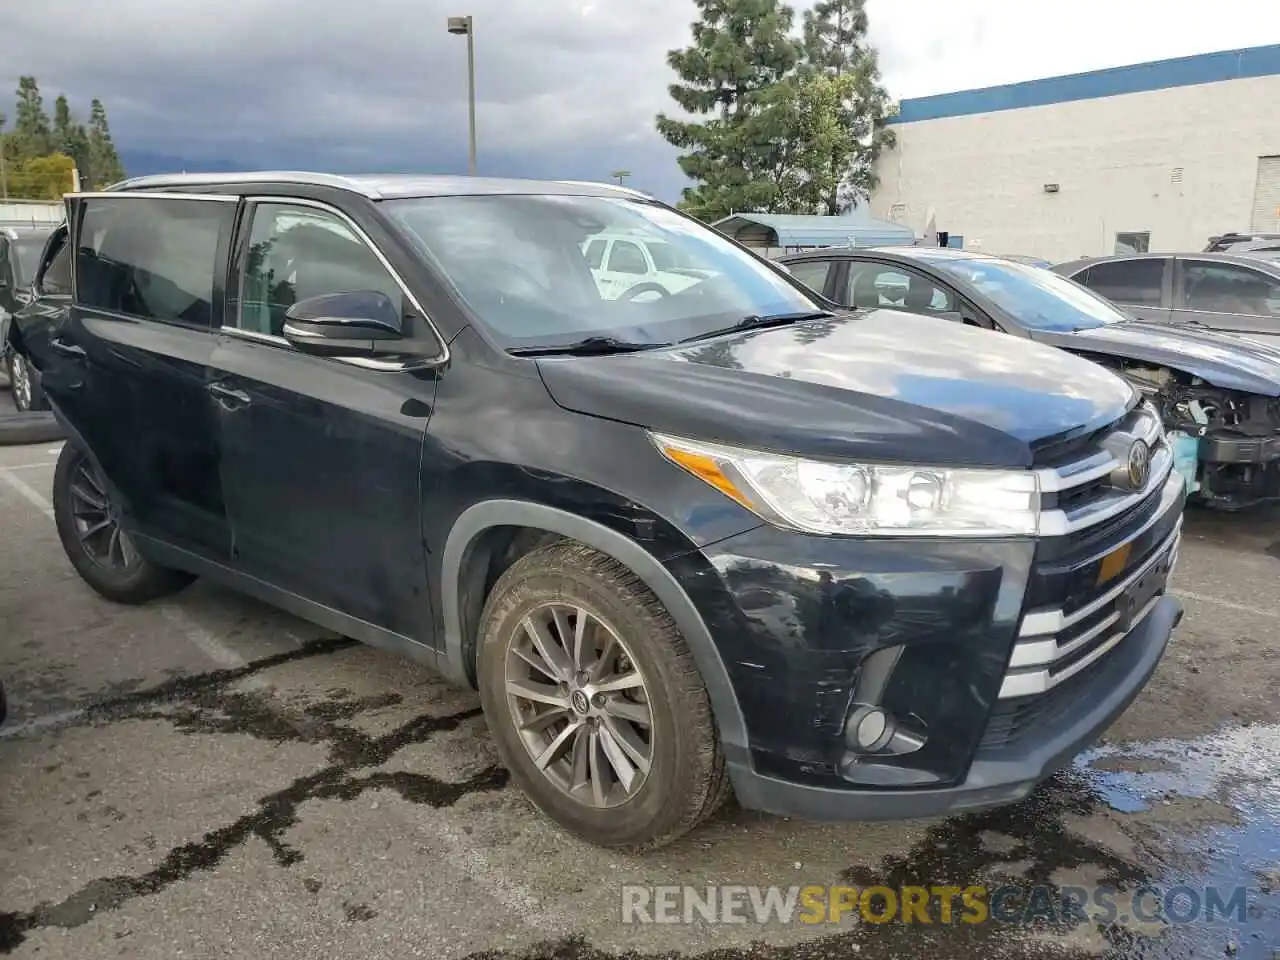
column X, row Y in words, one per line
column 850, row 566
column 1218, row 394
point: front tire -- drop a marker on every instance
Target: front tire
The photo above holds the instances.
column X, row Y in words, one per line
column 89, row 527
column 594, row 701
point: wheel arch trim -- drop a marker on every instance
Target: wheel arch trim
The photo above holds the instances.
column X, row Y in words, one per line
column 478, row 518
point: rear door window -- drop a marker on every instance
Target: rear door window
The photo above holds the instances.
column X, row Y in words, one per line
column 154, row 258
column 1138, row 282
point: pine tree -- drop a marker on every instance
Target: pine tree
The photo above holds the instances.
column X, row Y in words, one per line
column 741, row 49
column 104, row 162
column 835, row 43
column 71, row 138
column 31, row 133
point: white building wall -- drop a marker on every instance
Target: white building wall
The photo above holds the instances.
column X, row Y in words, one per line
column 1180, row 163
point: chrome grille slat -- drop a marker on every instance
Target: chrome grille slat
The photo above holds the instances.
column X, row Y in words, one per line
column 1034, row 664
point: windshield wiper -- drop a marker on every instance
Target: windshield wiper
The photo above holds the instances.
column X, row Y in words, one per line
column 586, row 347
column 757, row 321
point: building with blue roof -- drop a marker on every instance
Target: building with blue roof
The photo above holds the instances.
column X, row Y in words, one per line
column 1153, row 156
column 775, row 233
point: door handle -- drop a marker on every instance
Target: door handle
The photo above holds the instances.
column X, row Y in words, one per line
column 68, row 349
column 228, row 397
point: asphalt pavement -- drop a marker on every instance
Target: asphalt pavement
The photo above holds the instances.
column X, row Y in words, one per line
column 208, row 777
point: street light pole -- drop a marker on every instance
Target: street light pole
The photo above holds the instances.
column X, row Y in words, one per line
column 460, row 26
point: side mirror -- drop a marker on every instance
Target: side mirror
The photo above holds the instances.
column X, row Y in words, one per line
column 342, row 324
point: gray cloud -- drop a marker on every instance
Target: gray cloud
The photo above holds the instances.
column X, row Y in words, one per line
column 566, row 88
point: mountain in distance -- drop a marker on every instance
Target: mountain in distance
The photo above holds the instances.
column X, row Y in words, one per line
column 141, row 163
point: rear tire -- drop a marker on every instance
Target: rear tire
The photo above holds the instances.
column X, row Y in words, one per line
column 89, row 527
column 643, row 705
column 25, row 384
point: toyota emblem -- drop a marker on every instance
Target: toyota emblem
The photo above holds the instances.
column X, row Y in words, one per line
column 1139, row 464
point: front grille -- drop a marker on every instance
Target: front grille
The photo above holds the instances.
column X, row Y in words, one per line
column 1082, row 492
column 1057, row 643
column 1102, row 563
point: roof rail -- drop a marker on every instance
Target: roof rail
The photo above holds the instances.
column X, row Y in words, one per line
column 612, row 186
column 176, row 180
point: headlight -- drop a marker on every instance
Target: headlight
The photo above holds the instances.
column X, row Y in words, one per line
column 864, row 499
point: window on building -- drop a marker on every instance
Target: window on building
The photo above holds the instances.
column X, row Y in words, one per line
column 1137, row 282
column 1133, row 242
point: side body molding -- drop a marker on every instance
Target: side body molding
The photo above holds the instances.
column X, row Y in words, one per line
column 496, row 513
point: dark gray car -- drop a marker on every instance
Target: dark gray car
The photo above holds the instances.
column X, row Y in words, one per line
column 1218, row 394
column 1235, row 293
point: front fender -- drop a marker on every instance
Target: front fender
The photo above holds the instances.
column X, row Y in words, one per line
column 479, row 517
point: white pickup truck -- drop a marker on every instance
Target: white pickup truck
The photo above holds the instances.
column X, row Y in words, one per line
column 638, row 265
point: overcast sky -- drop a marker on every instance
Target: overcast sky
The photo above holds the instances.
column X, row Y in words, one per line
column 566, row 88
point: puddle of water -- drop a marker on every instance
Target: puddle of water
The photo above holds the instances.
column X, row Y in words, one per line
column 1235, row 843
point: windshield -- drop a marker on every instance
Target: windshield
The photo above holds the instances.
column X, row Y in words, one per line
column 1037, row 298
column 551, row 270
column 28, row 251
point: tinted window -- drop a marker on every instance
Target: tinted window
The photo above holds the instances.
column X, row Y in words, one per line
column 595, row 253
column 812, row 273
column 518, row 262
column 300, row 252
column 626, row 257
column 1227, row 288
column 1128, row 281
column 1036, row 298
column 27, row 251
column 56, row 279
column 150, row 258
column 872, row 285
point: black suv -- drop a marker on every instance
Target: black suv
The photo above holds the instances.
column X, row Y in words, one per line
column 850, row 564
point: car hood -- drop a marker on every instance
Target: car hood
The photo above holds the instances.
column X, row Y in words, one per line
column 1222, row 359
column 881, row 385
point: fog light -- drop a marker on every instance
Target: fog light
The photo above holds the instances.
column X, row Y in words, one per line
column 867, row 729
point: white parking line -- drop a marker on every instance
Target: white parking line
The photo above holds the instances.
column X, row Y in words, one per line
column 37, row 724
column 40, row 503
column 197, row 636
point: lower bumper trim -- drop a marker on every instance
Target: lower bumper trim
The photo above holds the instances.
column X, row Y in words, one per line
column 996, row 778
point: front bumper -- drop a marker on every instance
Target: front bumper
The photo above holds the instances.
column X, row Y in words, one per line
column 996, row 661
column 994, row 778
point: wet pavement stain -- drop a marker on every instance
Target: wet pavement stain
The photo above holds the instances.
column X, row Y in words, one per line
column 1034, row 843
column 202, row 705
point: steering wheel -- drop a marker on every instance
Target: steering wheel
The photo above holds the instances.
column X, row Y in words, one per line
column 642, row 288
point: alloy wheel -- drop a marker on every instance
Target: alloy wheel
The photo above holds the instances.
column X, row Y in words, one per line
column 97, row 522
column 21, row 384
column 580, row 704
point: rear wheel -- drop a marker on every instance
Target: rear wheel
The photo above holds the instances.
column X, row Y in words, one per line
column 25, row 384
column 594, row 701
column 89, row 528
